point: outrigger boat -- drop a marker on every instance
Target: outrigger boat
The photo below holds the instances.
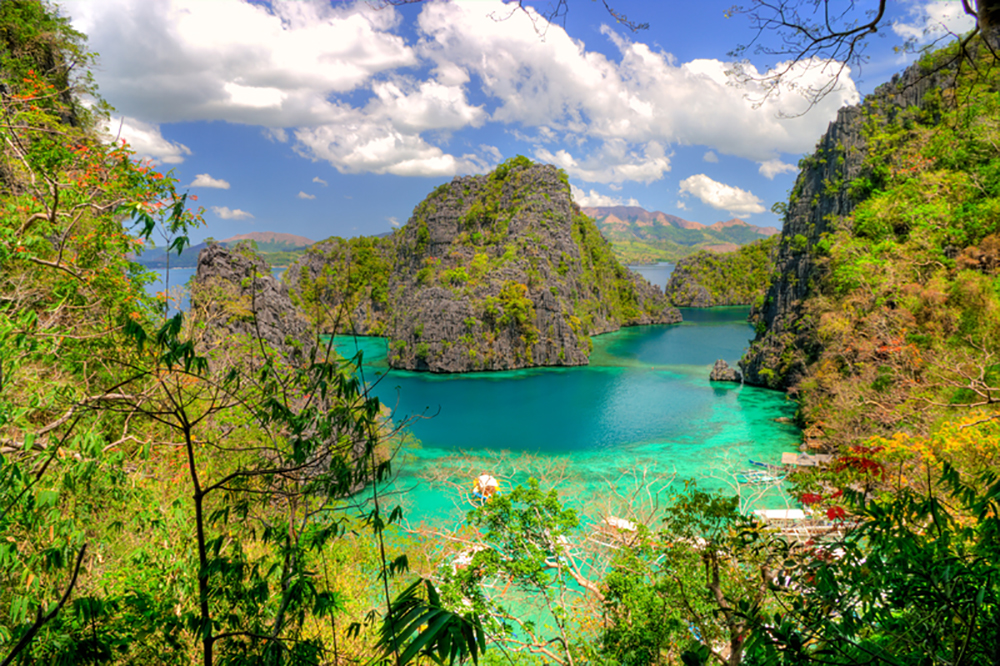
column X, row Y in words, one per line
column 761, row 476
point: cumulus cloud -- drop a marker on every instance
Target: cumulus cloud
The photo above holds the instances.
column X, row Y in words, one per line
column 355, row 93
column 771, row 168
column 613, row 162
column 236, row 214
column 932, row 20
column 319, row 180
column 710, row 157
column 204, row 180
column 271, row 65
column 147, row 141
column 593, row 198
column 304, row 195
column 721, row 196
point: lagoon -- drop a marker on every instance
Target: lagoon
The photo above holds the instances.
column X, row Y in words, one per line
column 643, row 408
column 644, row 405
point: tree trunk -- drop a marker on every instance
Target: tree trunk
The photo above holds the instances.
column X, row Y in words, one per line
column 988, row 14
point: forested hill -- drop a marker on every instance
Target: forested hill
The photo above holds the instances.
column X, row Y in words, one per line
column 884, row 314
column 640, row 236
column 709, row 279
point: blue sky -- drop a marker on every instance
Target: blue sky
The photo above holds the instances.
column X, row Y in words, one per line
column 337, row 118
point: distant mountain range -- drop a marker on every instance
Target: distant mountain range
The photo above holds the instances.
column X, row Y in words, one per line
column 278, row 248
column 641, row 236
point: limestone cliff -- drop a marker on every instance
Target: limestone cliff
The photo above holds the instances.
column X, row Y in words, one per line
column 829, row 186
column 503, row 271
column 234, row 298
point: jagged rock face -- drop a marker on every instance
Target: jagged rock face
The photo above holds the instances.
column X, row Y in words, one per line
column 821, row 199
column 232, row 288
column 721, row 372
column 503, row 271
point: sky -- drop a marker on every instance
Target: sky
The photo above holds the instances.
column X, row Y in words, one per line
column 336, row 118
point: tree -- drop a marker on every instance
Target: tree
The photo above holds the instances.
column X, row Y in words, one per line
column 832, row 37
column 915, row 582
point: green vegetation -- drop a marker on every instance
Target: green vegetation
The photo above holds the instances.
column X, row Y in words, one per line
column 343, row 285
column 157, row 506
column 902, row 322
column 162, row 504
column 707, row 279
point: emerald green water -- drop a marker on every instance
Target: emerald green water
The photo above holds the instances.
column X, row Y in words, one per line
column 643, row 408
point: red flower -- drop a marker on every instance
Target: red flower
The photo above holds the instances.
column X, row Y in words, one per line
column 811, row 498
column 836, row 513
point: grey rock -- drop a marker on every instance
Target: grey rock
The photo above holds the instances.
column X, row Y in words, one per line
column 234, row 298
column 502, row 274
column 721, row 372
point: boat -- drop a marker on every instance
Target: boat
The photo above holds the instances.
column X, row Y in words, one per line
column 761, row 477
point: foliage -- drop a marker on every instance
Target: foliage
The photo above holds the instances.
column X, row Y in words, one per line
column 915, row 582
column 902, row 316
column 740, row 277
column 157, row 504
column 338, row 276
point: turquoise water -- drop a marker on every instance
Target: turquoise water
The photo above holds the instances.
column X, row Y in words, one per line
column 642, row 413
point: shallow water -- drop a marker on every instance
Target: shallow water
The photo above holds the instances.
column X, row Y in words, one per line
column 643, row 408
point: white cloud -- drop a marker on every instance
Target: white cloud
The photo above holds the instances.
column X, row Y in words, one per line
column 236, row 214
column 276, row 134
column 612, row 163
column 681, row 205
column 934, row 19
column 319, row 180
column 393, row 222
column 594, row 199
column 204, row 180
column 710, row 157
column 293, row 64
column 557, row 85
column 304, row 195
column 237, row 61
column 771, row 168
column 721, row 196
column 147, row 141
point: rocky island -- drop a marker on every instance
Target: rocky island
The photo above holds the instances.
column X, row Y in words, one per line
column 493, row 272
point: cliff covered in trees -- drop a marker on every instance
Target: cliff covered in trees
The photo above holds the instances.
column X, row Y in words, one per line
column 492, row 272
column 883, row 313
column 708, row 279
